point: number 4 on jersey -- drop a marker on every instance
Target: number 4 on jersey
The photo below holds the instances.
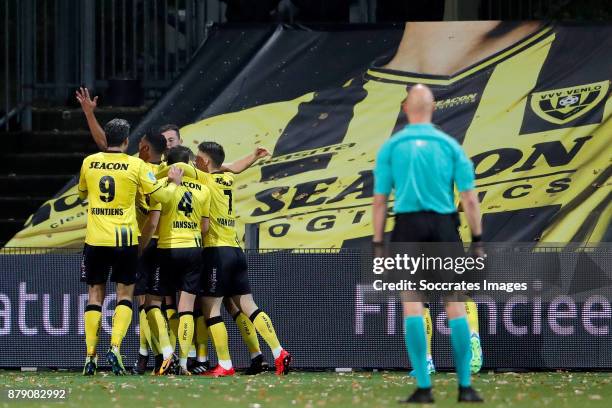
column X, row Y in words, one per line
column 185, row 205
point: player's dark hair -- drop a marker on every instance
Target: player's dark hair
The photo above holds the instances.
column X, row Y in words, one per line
column 214, row 150
column 157, row 141
column 178, row 154
column 116, row 131
column 170, row 126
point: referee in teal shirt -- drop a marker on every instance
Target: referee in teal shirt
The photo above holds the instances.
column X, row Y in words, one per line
column 422, row 165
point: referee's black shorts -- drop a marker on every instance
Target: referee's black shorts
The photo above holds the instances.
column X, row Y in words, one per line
column 427, row 234
column 225, row 272
column 426, row 226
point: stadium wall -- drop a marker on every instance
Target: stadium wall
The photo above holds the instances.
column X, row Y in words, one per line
column 326, row 312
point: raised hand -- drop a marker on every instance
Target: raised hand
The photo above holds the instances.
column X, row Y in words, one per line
column 87, row 104
column 261, row 152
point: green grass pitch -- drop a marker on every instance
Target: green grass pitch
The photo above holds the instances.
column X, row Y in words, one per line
column 308, row 389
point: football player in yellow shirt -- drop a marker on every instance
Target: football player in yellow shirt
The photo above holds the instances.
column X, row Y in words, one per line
column 109, row 181
column 172, row 136
column 183, row 222
column 150, row 149
column 225, row 269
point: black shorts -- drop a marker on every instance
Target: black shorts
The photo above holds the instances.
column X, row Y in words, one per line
column 147, row 263
column 178, row 269
column 225, row 272
column 426, row 234
column 426, row 226
column 99, row 262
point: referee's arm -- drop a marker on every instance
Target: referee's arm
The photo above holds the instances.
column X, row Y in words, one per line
column 465, row 182
column 383, row 184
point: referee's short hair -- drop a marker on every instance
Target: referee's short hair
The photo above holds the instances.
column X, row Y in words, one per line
column 178, row 154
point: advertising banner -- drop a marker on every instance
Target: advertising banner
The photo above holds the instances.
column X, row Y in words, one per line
column 532, row 113
column 330, row 310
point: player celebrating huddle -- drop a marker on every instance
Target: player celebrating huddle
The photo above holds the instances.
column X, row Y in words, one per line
column 225, row 268
column 110, row 181
column 183, row 222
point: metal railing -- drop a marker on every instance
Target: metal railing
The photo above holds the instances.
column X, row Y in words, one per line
column 50, row 47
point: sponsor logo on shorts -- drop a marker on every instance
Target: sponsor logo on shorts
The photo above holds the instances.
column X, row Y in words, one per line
column 213, row 280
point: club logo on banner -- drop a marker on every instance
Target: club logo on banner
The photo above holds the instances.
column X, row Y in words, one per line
column 563, row 105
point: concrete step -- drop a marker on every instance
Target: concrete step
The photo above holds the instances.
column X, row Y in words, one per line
column 49, row 141
column 41, row 163
column 65, row 118
column 28, row 185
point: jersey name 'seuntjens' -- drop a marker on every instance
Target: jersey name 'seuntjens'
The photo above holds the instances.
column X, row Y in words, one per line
column 111, row 181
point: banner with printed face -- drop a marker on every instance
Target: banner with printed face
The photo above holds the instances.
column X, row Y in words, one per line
column 529, row 103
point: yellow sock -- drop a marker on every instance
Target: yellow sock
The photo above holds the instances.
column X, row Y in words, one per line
column 472, row 315
column 201, row 339
column 145, row 332
column 428, row 329
column 93, row 319
column 172, row 326
column 153, row 335
column 185, row 336
column 154, row 341
column 157, row 323
column 264, row 327
column 121, row 322
column 248, row 332
column 218, row 333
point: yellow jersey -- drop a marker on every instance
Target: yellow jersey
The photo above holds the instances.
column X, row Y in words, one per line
column 110, row 181
column 221, row 230
column 143, row 202
column 180, row 220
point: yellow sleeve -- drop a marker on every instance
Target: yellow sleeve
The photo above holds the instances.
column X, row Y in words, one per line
column 155, row 205
column 164, row 194
column 189, row 170
column 151, row 186
column 146, row 179
column 82, row 183
column 206, row 203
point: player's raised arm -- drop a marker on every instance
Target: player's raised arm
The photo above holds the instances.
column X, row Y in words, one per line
column 189, row 170
column 244, row 163
column 88, row 106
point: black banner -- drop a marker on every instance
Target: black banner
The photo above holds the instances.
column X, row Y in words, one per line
column 328, row 313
